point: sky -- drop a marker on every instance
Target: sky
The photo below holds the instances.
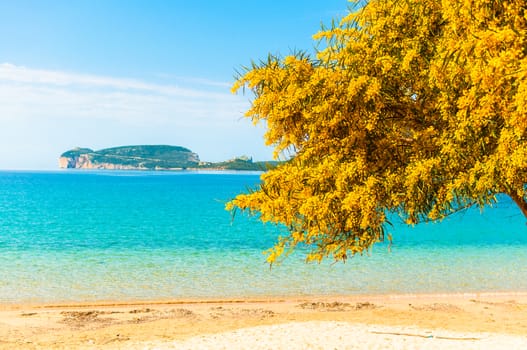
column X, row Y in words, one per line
column 106, row 73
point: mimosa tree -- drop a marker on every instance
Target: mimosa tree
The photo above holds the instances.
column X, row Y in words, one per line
column 412, row 107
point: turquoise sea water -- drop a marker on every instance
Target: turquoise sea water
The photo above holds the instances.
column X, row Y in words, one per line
column 107, row 235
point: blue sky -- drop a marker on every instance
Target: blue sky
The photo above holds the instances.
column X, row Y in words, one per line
column 105, row 73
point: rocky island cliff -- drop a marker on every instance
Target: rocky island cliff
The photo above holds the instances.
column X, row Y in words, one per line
column 145, row 157
column 150, row 157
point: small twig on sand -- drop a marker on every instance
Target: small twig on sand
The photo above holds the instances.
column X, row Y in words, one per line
column 424, row 336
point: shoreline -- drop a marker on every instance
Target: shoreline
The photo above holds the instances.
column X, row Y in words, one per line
column 259, row 299
column 163, row 323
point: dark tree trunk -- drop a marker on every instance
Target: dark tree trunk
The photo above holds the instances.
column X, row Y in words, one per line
column 520, row 202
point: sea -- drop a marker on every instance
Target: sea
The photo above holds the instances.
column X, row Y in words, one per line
column 88, row 236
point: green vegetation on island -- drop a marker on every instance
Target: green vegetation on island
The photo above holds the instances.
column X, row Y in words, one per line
column 240, row 163
column 152, row 157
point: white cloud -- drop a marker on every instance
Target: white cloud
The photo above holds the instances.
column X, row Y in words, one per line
column 50, row 111
column 19, row 74
column 26, row 92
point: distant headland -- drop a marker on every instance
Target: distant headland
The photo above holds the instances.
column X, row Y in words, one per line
column 152, row 157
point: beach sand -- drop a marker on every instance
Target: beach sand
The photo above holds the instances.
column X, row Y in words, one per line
column 453, row 321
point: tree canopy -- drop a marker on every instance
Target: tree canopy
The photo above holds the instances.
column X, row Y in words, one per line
column 411, row 107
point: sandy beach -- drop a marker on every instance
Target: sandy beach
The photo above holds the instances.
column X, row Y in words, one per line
column 463, row 321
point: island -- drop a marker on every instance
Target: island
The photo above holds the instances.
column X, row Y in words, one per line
column 152, row 157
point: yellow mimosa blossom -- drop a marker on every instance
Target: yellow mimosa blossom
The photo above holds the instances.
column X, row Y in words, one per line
column 412, row 108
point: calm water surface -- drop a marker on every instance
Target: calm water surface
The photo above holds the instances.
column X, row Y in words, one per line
column 87, row 236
